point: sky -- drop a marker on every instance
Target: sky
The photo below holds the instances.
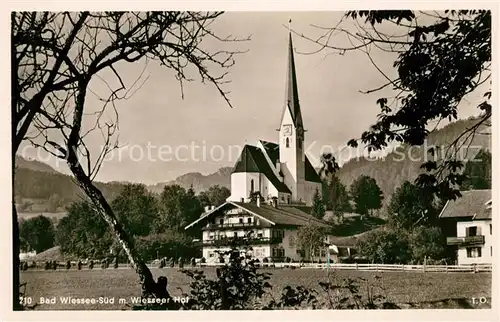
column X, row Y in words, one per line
column 157, row 118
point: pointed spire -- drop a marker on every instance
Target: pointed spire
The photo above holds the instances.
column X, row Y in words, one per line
column 292, row 93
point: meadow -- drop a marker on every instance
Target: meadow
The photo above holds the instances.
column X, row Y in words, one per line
column 411, row 289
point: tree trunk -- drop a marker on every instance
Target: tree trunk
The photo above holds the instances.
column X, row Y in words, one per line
column 15, row 258
column 104, row 209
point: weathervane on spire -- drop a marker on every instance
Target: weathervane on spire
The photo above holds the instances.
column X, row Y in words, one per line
column 289, row 25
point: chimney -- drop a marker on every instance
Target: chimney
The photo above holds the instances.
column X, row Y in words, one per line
column 275, row 202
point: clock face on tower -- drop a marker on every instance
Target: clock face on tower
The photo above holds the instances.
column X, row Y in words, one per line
column 287, row 129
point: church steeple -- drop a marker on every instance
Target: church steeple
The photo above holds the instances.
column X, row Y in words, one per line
column 292, row 92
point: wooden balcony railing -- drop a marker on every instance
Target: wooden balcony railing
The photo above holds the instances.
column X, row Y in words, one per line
column 247, row 241
column 465, row 241
column 231, row 225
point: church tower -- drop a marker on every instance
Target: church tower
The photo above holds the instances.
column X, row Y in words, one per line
column 291, row 134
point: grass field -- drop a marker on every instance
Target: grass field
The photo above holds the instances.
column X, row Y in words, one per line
column 400, row 287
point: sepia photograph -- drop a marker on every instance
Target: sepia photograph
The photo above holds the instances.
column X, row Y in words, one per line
column 252, row 160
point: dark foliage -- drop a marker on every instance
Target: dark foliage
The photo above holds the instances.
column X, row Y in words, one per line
column 366, row 195
column 36, row 234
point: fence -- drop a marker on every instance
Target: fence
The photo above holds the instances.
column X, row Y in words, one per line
column 475, row 268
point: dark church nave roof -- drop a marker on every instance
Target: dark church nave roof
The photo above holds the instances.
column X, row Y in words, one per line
column 252, row 159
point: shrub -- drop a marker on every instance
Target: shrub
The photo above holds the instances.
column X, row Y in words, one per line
column 68, row 264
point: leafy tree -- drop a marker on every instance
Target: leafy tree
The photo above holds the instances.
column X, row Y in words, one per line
column 310, row 238
column 178, row 208
column 366, row 194
column 136, row 208
column 83, row 232
column 170, row 244
column 36, row 234
column 410, row 206
column 56, row 56
column 478, row 172
column 427, row 242
column 214, row 196
column 441, row 57
column 336, row 196
column 318, row 207
column 385, row 246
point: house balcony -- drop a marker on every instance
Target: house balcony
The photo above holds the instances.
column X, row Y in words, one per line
column 231, row 226
column 465, row 241
column 242, row 241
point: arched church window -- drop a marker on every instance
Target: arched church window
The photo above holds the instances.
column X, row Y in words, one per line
column 251, row 185
column 287, row 143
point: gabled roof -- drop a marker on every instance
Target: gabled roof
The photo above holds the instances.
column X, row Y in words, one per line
column 252, row 159
column 273, row 151
column 283, row 215
column 472, row 203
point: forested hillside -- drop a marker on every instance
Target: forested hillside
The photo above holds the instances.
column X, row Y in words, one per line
column 398, row 166
column 37, row 182
column 40, row 188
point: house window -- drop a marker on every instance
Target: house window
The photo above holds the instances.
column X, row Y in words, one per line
column 251, row 186
column 278, row 252
column 259, row 234
column 221, row 221
column 278, row 233
column 241, row 220
column 287, row 143
column 211, row 254
column 473, row 252
column 258, row 252
column 471, row 231
column 491, row 229
column 249, row 220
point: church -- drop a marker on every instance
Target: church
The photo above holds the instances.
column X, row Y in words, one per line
column 272, row 189
column 279, row 170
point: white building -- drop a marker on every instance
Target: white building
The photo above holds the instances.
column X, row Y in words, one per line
column 474, row 229
column 281, row 174
column 271, row 230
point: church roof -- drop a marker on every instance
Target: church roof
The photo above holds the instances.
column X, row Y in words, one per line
column 273, row 151
column 252, row 159
column 292, row 92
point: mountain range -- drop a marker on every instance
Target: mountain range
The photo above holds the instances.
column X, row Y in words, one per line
column 39, row 187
